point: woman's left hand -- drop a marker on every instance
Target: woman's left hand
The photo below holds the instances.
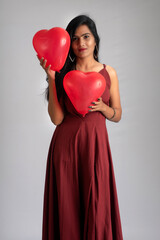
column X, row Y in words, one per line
column 98, row 106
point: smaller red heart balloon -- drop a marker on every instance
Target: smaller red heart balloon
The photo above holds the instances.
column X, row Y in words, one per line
column 53, row 45
column 83, row 88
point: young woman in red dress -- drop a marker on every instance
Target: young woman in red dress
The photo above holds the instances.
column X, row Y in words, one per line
column 80, row 197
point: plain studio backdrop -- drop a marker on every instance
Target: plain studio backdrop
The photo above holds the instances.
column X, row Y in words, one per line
column 130, row 37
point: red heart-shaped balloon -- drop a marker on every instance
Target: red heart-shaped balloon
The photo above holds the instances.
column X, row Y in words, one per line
column 53, row 45
column 83, row 88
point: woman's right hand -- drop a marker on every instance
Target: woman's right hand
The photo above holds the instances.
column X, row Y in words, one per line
column 50, row 73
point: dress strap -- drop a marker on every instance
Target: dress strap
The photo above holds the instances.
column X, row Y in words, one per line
column 105, row 73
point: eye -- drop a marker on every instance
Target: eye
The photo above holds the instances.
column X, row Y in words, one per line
column 86, row 36
column 74, row 39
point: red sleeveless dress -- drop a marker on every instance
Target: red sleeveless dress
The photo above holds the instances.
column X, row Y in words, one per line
column 80, row 196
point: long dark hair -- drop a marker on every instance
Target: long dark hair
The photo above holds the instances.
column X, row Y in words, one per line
column 69, row 64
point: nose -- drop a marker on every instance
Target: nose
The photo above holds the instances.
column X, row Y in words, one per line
column 81, row 42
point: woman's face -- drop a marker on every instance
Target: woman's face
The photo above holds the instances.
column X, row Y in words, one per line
column 83, row 42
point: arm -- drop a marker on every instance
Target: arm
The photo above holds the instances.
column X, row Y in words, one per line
column 108, row 111
column 55, row 109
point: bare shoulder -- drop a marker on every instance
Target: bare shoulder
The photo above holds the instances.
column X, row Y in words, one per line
column 112, row 72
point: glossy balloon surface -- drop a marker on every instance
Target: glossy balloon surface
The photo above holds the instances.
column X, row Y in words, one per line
column 83, row 88
column 53, row 45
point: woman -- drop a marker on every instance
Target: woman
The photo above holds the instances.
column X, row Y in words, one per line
column 80, row 197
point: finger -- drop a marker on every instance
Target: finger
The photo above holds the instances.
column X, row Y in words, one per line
column 95, row 103
column 44, row 63
column 41, row 61
column 48, row 68
column 100, row 98
column 93, row 107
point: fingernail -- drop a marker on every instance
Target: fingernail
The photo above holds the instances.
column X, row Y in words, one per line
column 92, row 102
column 89, row 110
column 90, row 106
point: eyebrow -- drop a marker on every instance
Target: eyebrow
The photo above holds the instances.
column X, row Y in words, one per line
column 81, row 35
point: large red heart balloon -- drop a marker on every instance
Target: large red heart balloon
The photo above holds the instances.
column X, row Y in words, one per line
column 83, row 88
column 53, row 45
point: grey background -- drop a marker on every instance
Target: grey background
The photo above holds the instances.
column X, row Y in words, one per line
column 130, row 37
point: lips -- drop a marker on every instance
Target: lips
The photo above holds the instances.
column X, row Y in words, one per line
column 82, row 49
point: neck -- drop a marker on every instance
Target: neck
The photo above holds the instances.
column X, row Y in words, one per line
column 85, row 64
